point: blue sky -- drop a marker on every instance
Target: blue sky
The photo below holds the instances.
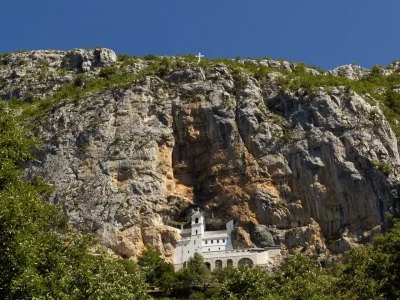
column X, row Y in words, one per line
column 324, row 33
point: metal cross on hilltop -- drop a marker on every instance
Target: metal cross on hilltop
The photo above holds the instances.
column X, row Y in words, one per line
column 199, row 56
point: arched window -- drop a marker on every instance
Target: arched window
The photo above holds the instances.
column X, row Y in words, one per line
column 208, row 265
column 196, row 232
column 245, row 261
column 229, row 263
column 184, row 264
column 197, row 220
column 218, row 263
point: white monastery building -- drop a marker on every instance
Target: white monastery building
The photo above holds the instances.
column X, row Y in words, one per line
column 216, row 247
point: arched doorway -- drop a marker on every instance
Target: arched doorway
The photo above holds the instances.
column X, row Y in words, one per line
column 245, row 262
column 229, row 263
column 218, row 263
column 208, row 265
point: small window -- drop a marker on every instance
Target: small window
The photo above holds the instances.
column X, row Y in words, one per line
column 206, row 242
column 223, row 240
column 188, row 251
column 212, row 241
column 208, row 249
column 197, row 220
column 219, row 248
column 217, row 241
column 194, row 242
column 196, row 232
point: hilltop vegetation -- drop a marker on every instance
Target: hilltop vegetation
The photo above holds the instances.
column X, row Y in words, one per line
column 378, row 85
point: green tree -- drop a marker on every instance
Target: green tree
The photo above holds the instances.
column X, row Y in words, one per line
column 196, row 274
column 300, row 277
column 373, row 271
column 157, row 272
column 354, row 280
column 297, row 278
column 41, row 257
column 166, row 280
column 149, row 263
column 129, row 265
column 100, row 277
column 246, row 282
column 197, row 296
column 15, row 147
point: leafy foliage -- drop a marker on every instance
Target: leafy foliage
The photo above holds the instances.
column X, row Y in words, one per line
column 126, row 60
column 15, row 147
column 372, row 272
column 368, row 272
column 196, row 274
column 41, row 256
column 382, row 166
column 244, row 283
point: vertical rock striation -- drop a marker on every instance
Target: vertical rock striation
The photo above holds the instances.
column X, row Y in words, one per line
column 288, row 167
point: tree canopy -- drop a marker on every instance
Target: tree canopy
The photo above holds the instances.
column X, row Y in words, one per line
column 41, row 256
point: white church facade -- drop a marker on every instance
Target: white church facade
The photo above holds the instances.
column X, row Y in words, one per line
column 216, row 247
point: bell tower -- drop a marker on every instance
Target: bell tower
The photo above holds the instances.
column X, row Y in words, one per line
column 197, row 223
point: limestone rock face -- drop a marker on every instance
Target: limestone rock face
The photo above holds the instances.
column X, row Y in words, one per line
column 38, row 74
column 278, row 64
column 262, row 237
column 288, row 167
column 353, row 72
column 241, row 239
column 305, row 238
column 86, row 60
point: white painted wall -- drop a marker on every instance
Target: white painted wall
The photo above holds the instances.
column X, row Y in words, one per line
column 215, row 245
column 272, row 253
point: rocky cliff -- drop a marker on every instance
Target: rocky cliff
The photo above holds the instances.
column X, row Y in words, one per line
column 132, row 144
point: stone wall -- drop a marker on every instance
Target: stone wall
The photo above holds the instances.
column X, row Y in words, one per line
column 238, row 257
